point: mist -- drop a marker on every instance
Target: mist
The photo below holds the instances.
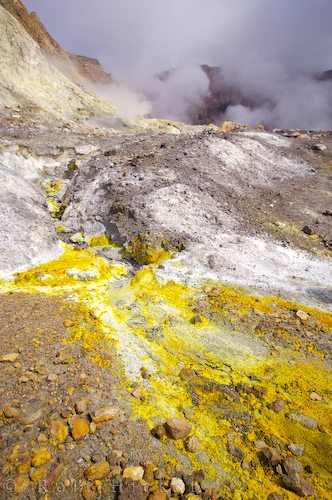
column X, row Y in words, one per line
column 271, row 52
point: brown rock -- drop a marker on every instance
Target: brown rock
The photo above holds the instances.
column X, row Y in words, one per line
column 278, row 405
column 291, row 465
column 270, row 456
column 144, row 373
column 187, row 374
column 275, row 496
column 157, row 494
column 177, row 428
column 193, row 444
column 131, row 490
column 236, row 452
column 88, row 492
column 97, row 471
column 104, row 414
column 159, row 431
column 149, row 472
column 294, row 482
column 138, row 393
column 79, row 428
column 10, row 411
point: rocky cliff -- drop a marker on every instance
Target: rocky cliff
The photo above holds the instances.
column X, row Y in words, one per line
column 78, row 68
column 28, row 78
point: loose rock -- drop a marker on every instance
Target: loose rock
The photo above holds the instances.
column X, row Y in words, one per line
column 308, row 422
column 104, row 414
column 177, row 486
column 193, row 444
column 79, row 428
column 294, row 482
column 177, row 428
column 134, row 473
column 97, row 471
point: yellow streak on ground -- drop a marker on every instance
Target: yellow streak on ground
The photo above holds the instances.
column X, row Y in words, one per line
column 144, row 307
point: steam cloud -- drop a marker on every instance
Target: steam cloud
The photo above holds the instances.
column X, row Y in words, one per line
column 270, row 50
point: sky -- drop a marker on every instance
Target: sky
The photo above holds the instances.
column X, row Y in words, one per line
column 268, row 48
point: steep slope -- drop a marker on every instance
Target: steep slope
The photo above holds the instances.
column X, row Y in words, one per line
column 77, row 68
column 27, row 78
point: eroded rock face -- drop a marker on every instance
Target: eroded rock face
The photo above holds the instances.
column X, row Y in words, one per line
column 76, row 67
column 27, row 78
column 27, row 232
column 208, row 197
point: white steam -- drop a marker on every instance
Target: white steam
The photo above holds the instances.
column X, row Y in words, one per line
column 269, row 50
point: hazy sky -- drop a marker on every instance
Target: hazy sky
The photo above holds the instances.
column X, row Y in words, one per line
column 265, row 45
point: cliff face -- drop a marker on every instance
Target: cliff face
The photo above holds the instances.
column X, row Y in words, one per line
column 28, row 78
column 77, row 68
column 34, row 27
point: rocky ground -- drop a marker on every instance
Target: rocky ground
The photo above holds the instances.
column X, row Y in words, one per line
column 165, row 312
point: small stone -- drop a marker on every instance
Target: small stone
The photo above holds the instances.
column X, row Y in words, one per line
column 20, row 484
column 270, row 456
column 9, row 358
column 77, row 238
column 79, row 428
column 307, row 230
column 82, row 405
column 159, row 431
column 104, row 414
column 304, row 420
column 24, row 379
column 52, row 377
column 258, row 391
column 177, row 428
column 131, row 490
column 37, row 474
column 134, row 473
column 138, row 393
column 315, row 397
column 278, row 405
column 309, row 469
column 291, row 465
column 23, row 468
column 41, row 456
column 97, row 471
column 58, row 432
column 10, row 411
column 302, row 315
column 275, row 496
column 236, row 452
column 30, row 417
column 158, row 494
column 63, row 358
column 296, row 449
column 177, row 486
column 319, row 147
column 149, row 472
column 68, row 323
column 193, row 444
column 187, row 374
column 88, row 492
column 294, row 482
column 195, row 320
column 144, row 373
